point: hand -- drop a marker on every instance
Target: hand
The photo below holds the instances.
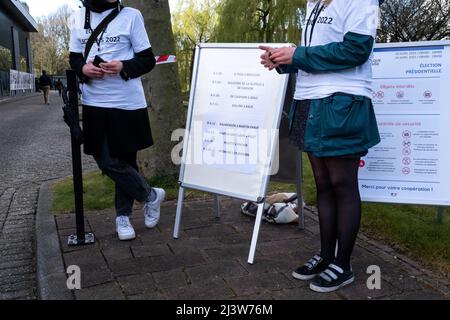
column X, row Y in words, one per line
column 92, row 71
column 112, row 68
column 266, row 58
column 283, row 55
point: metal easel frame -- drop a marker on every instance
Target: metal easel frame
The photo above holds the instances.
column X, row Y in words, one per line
column 217, row 193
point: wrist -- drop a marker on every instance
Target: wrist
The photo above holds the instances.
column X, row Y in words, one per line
column 124, row 75
column 83, row 66
column 298, row 57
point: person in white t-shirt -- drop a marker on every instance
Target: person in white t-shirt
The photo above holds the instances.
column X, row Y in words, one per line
column 332, row 119
column 115, row 118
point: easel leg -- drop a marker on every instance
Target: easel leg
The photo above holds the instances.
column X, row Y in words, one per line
column 440, row 215
column 300, row 199
column 176, row 230
column 251, row 256
column 217, row 206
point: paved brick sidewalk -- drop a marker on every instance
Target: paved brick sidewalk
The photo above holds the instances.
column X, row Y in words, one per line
column 34, row 148
column 209, row 260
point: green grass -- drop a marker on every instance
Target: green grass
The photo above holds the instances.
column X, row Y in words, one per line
column 413, row 230
column 98, row 192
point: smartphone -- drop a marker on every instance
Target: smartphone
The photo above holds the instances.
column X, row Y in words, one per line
column 97, row 61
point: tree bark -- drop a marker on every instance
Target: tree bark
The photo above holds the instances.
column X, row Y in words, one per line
column 162, row 90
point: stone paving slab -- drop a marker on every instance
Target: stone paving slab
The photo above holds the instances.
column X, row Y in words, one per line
column 209, row 260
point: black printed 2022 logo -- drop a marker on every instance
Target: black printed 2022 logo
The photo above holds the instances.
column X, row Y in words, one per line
column 325, row 20
column 112, row 39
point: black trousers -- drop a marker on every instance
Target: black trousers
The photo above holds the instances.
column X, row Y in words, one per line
column 130, row 184
column 113, row 136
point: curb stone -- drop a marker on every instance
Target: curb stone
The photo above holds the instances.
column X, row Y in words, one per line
column 50, row 271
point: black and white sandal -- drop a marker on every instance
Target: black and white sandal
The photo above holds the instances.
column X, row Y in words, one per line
column 332, row 279
column 310, row 269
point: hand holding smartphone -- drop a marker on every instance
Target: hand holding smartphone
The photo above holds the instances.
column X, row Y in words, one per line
column 97, row 61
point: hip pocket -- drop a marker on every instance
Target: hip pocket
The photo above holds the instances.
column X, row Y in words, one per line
column 343, row 116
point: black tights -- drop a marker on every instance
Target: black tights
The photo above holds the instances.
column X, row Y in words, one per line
column 339, row 205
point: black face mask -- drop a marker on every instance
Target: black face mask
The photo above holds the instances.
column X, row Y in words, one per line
column 100, row 5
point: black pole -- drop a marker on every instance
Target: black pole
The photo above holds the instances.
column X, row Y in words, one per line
column 81, row 238
column 76, row 158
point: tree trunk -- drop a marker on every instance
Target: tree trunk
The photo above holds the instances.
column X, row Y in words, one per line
column 162, row 90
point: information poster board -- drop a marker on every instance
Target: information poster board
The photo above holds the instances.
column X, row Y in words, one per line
column 412, row 103
column 234, row 114
column 14, row 80
column 21, row 80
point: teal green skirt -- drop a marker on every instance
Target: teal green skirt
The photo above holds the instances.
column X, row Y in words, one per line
column 337, row 126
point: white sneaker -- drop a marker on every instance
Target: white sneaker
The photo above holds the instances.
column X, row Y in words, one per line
column 152, row 210
column 124, row 228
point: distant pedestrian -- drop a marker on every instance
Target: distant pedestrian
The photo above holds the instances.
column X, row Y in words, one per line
column 59, row 86
column 45, row 85
column 36, row 85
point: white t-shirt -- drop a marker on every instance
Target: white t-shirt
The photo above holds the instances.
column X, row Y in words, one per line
column 337, row 19
column 124, row 36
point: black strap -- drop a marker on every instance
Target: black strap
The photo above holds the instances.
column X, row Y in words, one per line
column 100, row 28
column 315, row 14
column 291, row 199
column 87, row 19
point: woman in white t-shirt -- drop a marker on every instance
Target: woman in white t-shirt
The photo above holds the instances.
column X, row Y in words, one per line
column 115, row 118
column 332, row 119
